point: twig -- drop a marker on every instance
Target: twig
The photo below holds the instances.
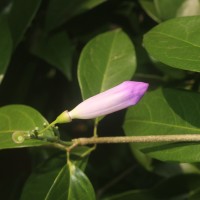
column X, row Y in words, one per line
column 137, row 139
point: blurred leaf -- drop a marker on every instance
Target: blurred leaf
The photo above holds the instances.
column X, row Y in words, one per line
column 4, row 4
column 142, row 158
column 71, row 183
column 149, row 7
column 20, row 118
column 169, row 72
column 20, row 17
column 189, row 8
column 161, row 10
column 59, row 11
column 195, row 195
column 167, row 9
column 137, row 194
column 176, row 188
column 56, row 50
column 176, row 43
column 166, row 112
column 5, row 47
column 106, row 61
column 170, row 169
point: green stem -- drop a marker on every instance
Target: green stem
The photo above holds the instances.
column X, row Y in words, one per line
column 48, row 127
column 68, row 158
column 96, row 122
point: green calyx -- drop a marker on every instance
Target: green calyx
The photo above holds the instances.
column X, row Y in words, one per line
column 64, row 117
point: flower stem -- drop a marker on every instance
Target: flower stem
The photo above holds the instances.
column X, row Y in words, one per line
column 48, row 127
column 136, row 139
column 96, row 122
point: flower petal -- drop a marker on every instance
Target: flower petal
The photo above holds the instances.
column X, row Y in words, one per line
column 117, row 98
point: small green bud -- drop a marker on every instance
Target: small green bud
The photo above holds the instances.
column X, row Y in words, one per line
column 64, row 117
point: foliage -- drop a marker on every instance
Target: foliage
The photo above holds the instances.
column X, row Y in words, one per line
column 54, row 54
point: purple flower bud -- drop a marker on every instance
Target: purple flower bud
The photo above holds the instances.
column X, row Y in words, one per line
column 117, row 98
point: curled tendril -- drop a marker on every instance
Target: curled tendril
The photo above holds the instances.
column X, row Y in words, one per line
column 18, row 137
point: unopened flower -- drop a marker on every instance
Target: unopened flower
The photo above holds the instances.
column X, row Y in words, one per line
column 117, row 98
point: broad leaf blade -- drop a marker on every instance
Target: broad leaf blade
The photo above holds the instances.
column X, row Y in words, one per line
column 106, row 61
column 39, row 182
column 5, row 47
column 71, row 183
column 20, row 17
column 21, row 118
column 60, row 11
column 176, row 43
column 170, row 9
column 150, row 9
column 161, row 10
column 44, row 176
column 56, row 50
column 166, row 112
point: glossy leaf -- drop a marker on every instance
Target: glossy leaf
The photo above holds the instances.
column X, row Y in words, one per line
column 71, row 183
column 60, row 11
column 166, row 112
column 20, row 17
column 106, row 61
column 5, row 47
column 56, row 50
column 176, row 43
column 39, row 182
column 44, row 177
column 22, row 119
column 79, row 156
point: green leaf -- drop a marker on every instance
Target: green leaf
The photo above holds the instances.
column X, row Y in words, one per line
column 150, row 8
column 60, row 11
column 20, row 17
column 142, row 158
column 79, row 157
column 40, row 181
column 176, row 188
column 5, row 47
column 71, row 183
column 44, row 176
column 161, row 10
column 176, row 43
column 166, row 112
column 106, row 61
column 168, row 9
column 189, row 8
column 171, row 169
column 195, row 195
column 56, row 50
column 20, row 119
column 169, row 72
